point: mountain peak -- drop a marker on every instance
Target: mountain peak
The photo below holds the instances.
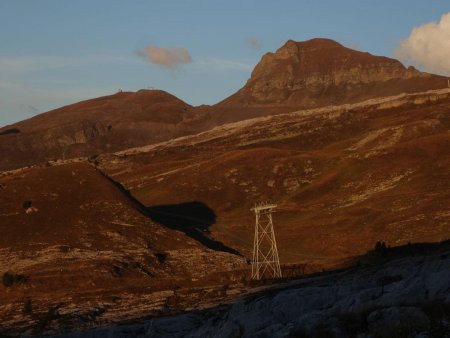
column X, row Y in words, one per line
column 320, row 72
column 293, row 48
column 313, row 43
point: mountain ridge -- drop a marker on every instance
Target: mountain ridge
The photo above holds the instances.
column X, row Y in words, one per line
column 299, row 75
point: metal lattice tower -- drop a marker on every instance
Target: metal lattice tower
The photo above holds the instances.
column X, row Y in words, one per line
column 265, row 252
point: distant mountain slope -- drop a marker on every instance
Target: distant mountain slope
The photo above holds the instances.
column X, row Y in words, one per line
column 104, row 124
column 299, row 75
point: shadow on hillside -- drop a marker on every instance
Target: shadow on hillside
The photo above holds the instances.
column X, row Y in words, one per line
column 193, row 218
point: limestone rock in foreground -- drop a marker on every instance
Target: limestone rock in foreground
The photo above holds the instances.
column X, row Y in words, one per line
column 405, row 297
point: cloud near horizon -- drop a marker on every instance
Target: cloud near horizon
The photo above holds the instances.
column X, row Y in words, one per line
column 428, row 46
column 169, row 58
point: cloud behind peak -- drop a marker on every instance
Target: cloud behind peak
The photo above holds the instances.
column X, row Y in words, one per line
column 428, row 46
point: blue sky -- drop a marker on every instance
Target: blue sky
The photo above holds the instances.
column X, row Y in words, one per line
column 56, row 52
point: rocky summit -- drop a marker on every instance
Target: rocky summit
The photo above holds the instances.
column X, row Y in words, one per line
column 321, row 72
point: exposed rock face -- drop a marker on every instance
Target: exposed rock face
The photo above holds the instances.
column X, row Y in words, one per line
column 321, row 72
column 319, row 63
column 412, row 302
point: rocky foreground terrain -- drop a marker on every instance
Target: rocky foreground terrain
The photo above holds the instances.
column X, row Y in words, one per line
column 77, row 251
column 406, row 296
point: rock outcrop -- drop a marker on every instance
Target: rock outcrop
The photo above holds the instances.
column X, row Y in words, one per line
column 317, row 73
column 301, row 73
column 407, row 297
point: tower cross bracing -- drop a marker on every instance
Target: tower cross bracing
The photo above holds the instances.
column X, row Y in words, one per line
column 265, row 252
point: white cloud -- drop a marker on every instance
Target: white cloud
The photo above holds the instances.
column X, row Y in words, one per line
column 428, row 46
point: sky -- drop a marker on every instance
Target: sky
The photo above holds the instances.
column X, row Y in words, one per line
column 57, row 52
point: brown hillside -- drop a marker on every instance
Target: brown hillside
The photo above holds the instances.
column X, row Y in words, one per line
column 104, row 124
column 88, row 251
column 344, row 178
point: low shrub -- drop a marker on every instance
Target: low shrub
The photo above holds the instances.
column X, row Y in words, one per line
column 380, row 248
column 161, row 257
column 26, row 204
column 28, row 307
column 10, row 278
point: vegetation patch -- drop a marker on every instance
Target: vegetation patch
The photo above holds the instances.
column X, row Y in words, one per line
column 64, row 248
column 27, row 204
column 161, row 256
column 52, row 314
column 9, row 279
column 380, row 248
column 28, row 307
